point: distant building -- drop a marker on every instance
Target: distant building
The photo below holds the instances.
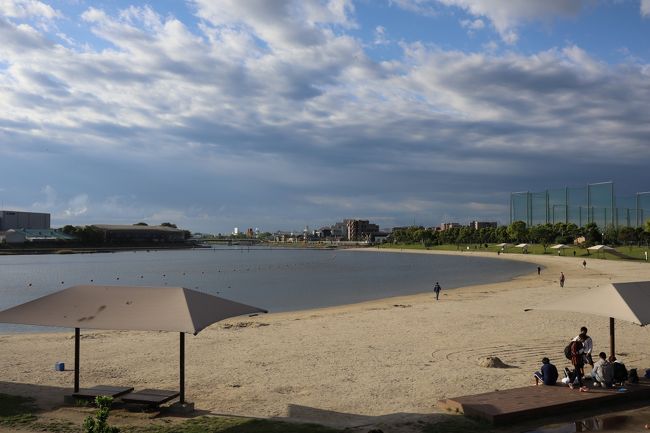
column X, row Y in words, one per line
column 482, row 224
column 21, row 236
column 361, row 230
column 447, row 226
column 250, row 233
column 350, row 230
column 339, row 230
column 323, row 232
column 235, row 231
column 23, row 220
column 136, row 233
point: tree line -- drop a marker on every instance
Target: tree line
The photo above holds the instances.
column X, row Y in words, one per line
column 518, row 232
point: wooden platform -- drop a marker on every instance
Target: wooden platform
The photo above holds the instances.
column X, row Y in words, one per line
column 151, row 397
column 99, row 390
column 532, row 402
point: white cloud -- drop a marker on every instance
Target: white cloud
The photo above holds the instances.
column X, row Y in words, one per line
column 476, row 24
column 282, row 24
column 27, row 9
column 202, row 125
column 507, row 15
column 78, row 205
column 50, row 199
column 380, row 36
column 645, row 8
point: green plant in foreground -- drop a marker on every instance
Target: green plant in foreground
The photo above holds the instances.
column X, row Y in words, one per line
column 99, row 422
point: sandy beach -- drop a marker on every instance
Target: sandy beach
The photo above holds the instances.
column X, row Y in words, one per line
column 361, row 364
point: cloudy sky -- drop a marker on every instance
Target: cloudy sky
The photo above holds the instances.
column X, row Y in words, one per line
column 277, row 114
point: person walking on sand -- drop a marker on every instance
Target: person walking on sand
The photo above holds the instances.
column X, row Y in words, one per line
column 584, row 264
column 561, row 279
column 539, row 270
column 436, row 290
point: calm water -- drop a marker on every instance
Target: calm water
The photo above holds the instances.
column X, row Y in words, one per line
column 274, row 279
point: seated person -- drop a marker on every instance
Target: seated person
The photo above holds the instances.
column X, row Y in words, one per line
column 620, row 372
column 603, row 372
column 547, row 374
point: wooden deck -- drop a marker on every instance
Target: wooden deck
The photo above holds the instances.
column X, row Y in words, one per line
column 151, row 397
column 101, row 390
column 511, row 405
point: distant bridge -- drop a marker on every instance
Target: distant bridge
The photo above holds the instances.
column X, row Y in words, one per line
column 233, row 241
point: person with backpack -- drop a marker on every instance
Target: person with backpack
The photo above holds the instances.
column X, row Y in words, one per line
column 575, row 355
column 587, row 346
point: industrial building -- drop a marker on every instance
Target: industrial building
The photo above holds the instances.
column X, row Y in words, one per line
column 10, row 219
column 139, row 233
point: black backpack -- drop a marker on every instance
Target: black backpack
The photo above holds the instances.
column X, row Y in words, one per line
column 567, row 351
column 633, row 376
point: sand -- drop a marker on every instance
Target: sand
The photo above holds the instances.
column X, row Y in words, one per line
column 373, row 363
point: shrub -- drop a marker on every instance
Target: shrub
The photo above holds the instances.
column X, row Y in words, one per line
column 99, row 422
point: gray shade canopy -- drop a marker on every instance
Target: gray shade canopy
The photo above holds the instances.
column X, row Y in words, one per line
column 127, row 308
column 624, row 301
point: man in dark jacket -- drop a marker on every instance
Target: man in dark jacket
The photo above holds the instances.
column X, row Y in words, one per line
column 547, row 374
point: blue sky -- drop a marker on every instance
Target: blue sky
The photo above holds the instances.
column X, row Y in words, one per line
column 215, row 114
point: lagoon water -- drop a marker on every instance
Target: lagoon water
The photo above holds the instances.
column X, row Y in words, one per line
column 270, row 278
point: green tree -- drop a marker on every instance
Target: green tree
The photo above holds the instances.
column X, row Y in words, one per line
column 611, row 234
column 90, row 234
column 628, row 235
column 517, row 231
column 543, row 234
column 141, row 224
column 592, row 234
column 69, row 230
column 168, row 225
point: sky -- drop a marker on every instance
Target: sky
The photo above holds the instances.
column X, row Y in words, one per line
column 281, row 114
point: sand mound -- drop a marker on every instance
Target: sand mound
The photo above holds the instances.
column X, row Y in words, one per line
column 492, row 362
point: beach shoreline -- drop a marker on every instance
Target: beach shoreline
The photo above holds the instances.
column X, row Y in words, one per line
column 370, row 362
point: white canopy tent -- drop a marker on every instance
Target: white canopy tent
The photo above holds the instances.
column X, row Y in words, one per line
column 600, row 248
column 560, row 247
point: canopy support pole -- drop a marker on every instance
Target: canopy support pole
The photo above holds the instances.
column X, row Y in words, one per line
column 182, row 368
column 612, row 342
column 77, row 337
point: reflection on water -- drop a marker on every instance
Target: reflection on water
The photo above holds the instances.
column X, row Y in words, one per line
column 603, row 423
